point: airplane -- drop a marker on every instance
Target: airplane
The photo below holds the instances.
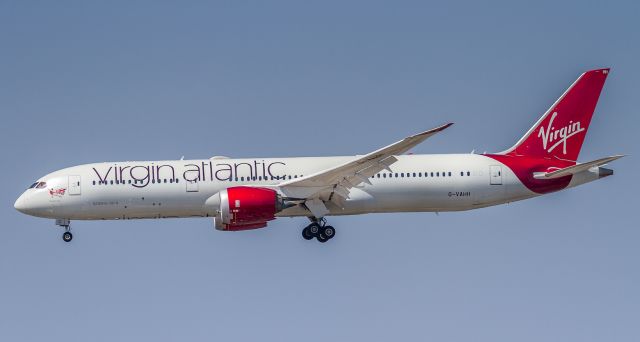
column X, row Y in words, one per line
column 245, row 194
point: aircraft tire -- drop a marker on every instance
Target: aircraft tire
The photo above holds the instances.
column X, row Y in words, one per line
column 322, row 238
column 67, row 236
column 306, row 234
column 314, row 228
column 329, row 232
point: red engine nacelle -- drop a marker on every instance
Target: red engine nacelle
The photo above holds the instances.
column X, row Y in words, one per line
column 236, row 227
column 243, row 207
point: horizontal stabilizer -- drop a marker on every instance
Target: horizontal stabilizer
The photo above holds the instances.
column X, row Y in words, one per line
column 575, row 168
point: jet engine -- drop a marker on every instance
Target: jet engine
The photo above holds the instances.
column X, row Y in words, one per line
column 243, row 207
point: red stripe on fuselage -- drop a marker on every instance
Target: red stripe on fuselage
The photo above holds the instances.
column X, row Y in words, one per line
column 524, row 167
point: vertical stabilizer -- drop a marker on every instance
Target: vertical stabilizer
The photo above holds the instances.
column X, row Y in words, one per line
column 560, row 132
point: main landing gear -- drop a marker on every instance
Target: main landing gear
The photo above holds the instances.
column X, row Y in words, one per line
column 318, row 229
column 66, row 224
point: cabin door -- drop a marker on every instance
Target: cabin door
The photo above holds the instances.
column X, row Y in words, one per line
column 192, row 186
column 74, row 185
column 495, row 175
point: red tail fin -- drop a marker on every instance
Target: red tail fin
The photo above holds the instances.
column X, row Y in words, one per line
column 560, row 132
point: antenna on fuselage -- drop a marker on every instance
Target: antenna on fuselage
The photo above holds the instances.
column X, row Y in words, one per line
column 182, row 158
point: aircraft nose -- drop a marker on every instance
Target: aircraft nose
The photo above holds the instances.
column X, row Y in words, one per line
column 21, row 205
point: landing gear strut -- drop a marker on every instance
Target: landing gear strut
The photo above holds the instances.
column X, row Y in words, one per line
column 66, row 224
column 318, row 229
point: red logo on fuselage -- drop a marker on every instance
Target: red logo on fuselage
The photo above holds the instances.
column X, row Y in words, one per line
column 57, row 192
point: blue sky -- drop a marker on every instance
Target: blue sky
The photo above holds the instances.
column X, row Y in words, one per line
column 83, row 82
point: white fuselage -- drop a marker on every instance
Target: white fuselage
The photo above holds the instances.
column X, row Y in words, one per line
column 162, row 189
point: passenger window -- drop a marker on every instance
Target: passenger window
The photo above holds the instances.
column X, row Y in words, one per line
column 242, row 178
column 449, row 174
column 437, row 174
column 468, row 173
column 431, row 174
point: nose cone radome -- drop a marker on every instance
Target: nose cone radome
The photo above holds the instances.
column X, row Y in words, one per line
column 33, row 205
column 21, row 205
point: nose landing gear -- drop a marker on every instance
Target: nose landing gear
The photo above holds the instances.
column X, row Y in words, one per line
column 318, row 229
column 66, row 224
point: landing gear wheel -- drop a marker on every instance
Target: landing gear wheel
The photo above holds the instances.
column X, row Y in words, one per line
column 306, row 234
column 67, row 236
column 314, row 228
column 329, row 232
column 322, row 238
column 318, row 229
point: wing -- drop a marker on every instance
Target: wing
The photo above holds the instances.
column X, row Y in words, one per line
column 315, row 189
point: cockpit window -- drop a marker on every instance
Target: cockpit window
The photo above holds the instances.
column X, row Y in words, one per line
column 41, row 185
column 33, row 185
